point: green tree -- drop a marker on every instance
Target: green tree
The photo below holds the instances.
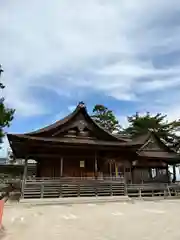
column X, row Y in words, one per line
column 165, row 130
column 105, row 118
column 6, row 114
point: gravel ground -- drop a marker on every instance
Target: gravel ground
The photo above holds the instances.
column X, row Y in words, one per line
column 139, row 220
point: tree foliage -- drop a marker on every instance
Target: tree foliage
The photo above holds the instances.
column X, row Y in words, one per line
column 165, row 130
column 6, row 114
column 105, row 118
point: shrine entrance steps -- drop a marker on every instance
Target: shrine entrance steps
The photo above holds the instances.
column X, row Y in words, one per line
column 72, row 188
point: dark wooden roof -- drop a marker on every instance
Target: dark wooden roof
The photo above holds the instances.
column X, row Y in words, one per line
column 25, row 138
column 141, row 139
column 79, row 129
column 155, row 148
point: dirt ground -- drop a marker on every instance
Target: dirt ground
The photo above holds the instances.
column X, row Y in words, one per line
column 139, row 220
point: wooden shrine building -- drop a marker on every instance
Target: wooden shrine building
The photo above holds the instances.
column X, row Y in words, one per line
column 77, row 146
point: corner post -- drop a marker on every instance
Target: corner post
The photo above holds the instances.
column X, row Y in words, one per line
column 24, row 176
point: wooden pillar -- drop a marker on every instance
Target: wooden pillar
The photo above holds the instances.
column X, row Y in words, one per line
column 95, row 165
column 110, row 168
column 61, row 169
column 24, row 176
column 116, row 169
column 167, row 174
column 174, row 173
column 124, row 172
column 132, row 174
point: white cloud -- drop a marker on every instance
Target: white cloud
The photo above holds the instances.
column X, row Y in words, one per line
column 107, row 46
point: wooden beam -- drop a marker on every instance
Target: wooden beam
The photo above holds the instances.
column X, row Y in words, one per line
column 46, row 145
column 68, row 154
column 56, row 156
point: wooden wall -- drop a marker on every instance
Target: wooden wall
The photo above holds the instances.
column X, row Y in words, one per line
column 71, row 167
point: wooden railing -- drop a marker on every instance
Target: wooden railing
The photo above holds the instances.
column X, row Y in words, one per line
column 72, row 187
column 78, row 187
column 153, row 189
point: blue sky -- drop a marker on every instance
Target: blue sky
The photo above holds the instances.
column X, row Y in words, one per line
column 121, row 53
